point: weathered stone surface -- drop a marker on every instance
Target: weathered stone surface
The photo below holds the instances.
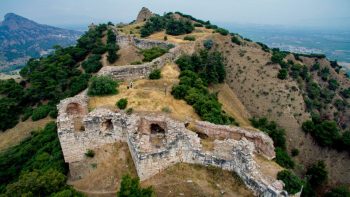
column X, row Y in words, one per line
column 132, row 72
column 157, row 142
column 263, row 143
column 143, row 15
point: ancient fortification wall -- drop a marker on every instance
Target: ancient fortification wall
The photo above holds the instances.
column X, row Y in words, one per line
column 157, row 142
column 132, row 72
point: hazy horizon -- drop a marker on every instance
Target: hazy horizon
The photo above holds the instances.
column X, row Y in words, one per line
column 325, row 14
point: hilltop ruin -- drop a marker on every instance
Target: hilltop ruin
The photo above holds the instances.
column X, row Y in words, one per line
column 156, row 141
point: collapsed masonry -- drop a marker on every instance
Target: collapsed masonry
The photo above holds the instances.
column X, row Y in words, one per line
column 157, row 141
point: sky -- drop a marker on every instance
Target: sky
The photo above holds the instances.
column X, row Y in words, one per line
column 294, row 13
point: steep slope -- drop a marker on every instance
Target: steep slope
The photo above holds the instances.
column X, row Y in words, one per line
column 21, row 39
column 253, row 77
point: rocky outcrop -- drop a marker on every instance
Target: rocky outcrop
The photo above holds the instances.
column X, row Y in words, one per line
column 143, row 15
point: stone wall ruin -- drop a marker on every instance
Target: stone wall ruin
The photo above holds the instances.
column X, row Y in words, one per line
column 157, row 142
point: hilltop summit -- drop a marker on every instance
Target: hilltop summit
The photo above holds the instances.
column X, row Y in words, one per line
column 143, row 15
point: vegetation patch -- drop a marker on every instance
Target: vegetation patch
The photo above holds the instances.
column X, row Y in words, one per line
column 171, row 25
column 152, row 53
column 92, row 64
column 102, row 85
column 155, row 74
column 197, row 71
column 35, row 167
column 122, row 103
column 190, row 38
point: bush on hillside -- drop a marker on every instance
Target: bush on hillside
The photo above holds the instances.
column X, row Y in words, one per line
column 222, row 31
column 293, row 183
column 282, row 74
column 341, row 191
column 208, row 44
column 317, row 174
column 155, row 74
column 178, row 27
column 122, row 103
column 190, row 38
column 102, row 85
column 152, row 53
column 92, row 64
column 131, row 187
column 236, row 40
column 41, row 112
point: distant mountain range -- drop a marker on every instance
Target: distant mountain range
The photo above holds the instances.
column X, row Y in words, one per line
column 22, row 39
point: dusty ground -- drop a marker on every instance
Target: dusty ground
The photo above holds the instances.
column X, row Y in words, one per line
column 21, row 131
column 195, row 180
column 101, row 175
column 231, row 104
column 149, row 96
column 127, row 56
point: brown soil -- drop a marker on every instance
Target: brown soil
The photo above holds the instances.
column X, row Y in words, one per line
column 195, row 180
column 101, row 175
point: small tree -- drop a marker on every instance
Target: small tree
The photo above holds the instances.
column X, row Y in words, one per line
column 122, row 103
column 155, row 74
column 102, row 86
column 283, row 73
column 131, row 187
column 292, row 183
column 317, row 174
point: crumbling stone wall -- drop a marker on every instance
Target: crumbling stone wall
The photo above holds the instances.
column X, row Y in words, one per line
column 103, row 126
column 263, row 144
column 132, row 72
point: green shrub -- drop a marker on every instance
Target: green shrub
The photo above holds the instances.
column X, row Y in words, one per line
column 178, row 27
column 190, row 38
column 92, row 64
column 131, row 187
column 264, row 47
column 129, row 111
column 222, row 31
column 293, row 183
column 122, row 103
column 79, row 83
column 295, row 152
column 155, row 74
column 208, row 44
column 341, row 191
column 317, row 174
column 102, row 85
column 40, row 112
column 152, row 53
column 282, row 74
column 326, row 133
column 166, row 110
column 283, row 159
column 333, row 84
column 165, row 38
column 236, row 40
column 27, row 113
column 54, row 112
column 90, row 153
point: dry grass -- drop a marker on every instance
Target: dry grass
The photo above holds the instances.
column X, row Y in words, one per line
column 101, row 175
column 194, row 180
column 150, row 96
column 199, row 33
column 269, row 169
column 231, row 104
column 132, row 29
column 127, row 55
column 21, row 131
